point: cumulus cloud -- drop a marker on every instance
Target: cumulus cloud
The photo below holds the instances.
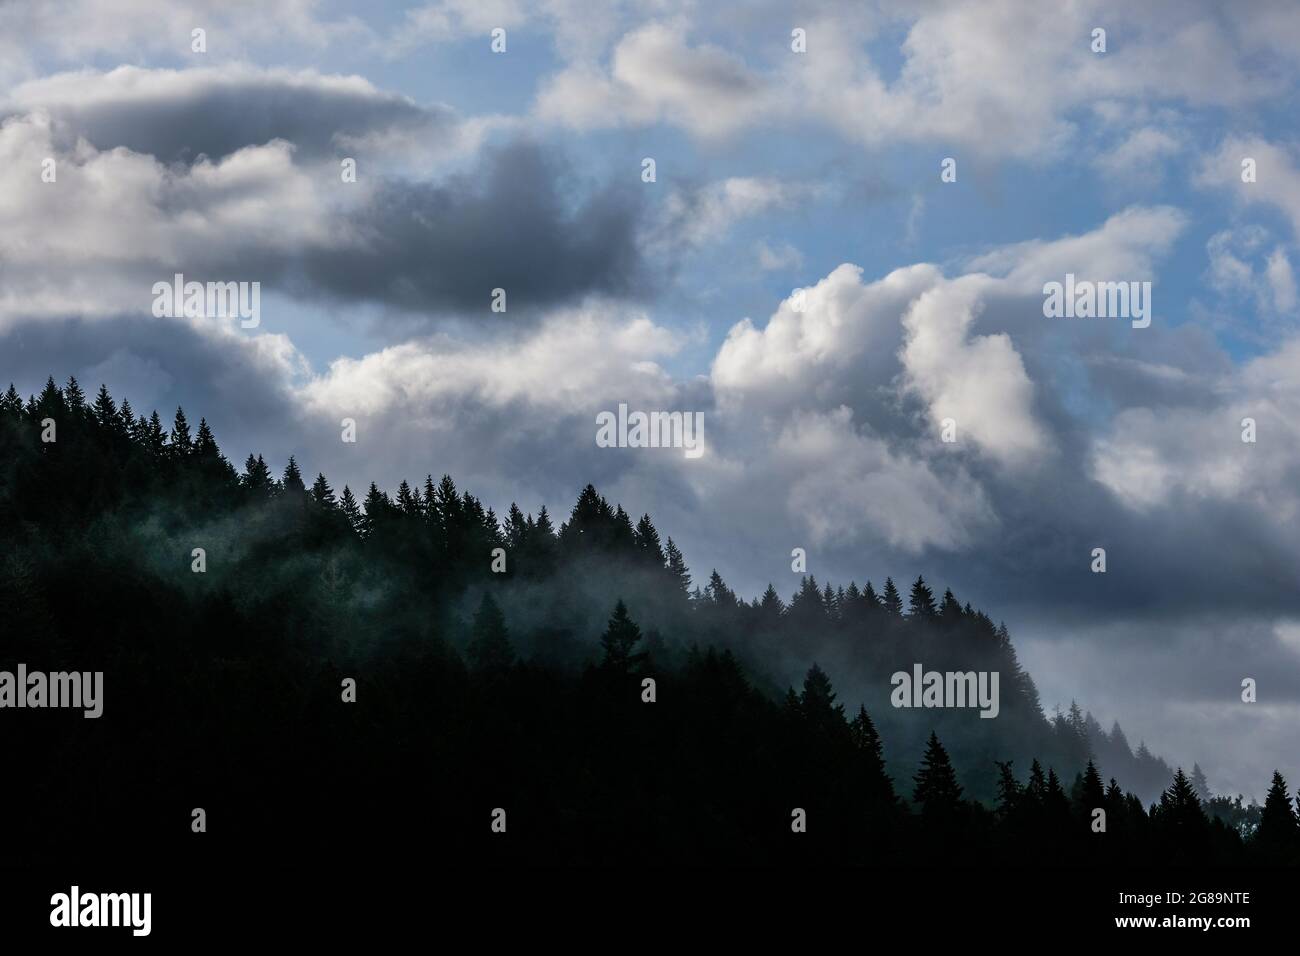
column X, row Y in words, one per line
column 656, row 75
column 1152, row 458
column 838, row 471
column 115, row 221
column 977, row 381
column 1006, row 78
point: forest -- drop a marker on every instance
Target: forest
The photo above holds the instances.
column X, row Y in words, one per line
column 388, row 675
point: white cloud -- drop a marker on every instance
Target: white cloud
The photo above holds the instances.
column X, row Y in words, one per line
column 979, row 381
column 1277, row 175
column 1281, row 281
column 655, row 75
column 839, row 472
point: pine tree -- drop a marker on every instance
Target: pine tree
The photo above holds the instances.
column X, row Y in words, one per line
column 1180, row 820
column 257, row 476
column 181, row 444
column 516, row 528
column 351, row 510
column 74, row 398
column 921, row 603
column 770, row 608
column 950, row 612
column 378, row 508
column 1091, row 793
column 817, row 703
column 937, row 791
column 292, row 483
column 205, row 446
column 677, row 570
column 1278, row 831
column 892, row 600
column 322, row 494
column 125, row 418
column 619, row 639
column 647, row 542
column 157, row 436
column 871, row 759
column 105, row 410
column 489, row 646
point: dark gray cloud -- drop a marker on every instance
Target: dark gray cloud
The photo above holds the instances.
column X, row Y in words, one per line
column 516, row 225
column 178, row 117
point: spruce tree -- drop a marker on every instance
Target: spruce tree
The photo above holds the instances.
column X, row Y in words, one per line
column 351, row 510
column 871, row 759
column 920, row 604
column 677, row 570
column 181, row 443
column 619, row 639
column 1276, row 837
column 892, row 601
column 292, row 483
column 937, row 791
column 322, row 494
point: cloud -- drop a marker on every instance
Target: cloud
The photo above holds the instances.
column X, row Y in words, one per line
column 1158, row 459
column 1277, row 175
column 1000, row 79
column 115, row 221
column 838, row 471
column 432, row 249
column 777, row 258
column 179, row 115
column 978, row 381
column 1281, row 281
column 656, row 76
column 705, row 214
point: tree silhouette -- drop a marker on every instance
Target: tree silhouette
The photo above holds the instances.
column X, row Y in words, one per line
column 619, row 639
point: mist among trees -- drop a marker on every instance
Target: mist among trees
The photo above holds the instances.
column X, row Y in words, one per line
column 524, row 689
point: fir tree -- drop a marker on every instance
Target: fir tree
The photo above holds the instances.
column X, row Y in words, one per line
column 892, row 601
column 181, row 443
column 322, row 494
column 920, row 605
column 871, row 758
column 937, row 792
column 1277, row 834
column 619, row 639
column 677, row 570
column 351, row 510
column 292, row 483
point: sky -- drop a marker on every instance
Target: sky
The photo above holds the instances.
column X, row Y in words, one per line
column 799, row 269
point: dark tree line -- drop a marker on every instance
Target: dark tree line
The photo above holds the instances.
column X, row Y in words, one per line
column 523, row 688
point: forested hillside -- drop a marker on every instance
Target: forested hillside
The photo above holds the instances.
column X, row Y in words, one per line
column 521, row 688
